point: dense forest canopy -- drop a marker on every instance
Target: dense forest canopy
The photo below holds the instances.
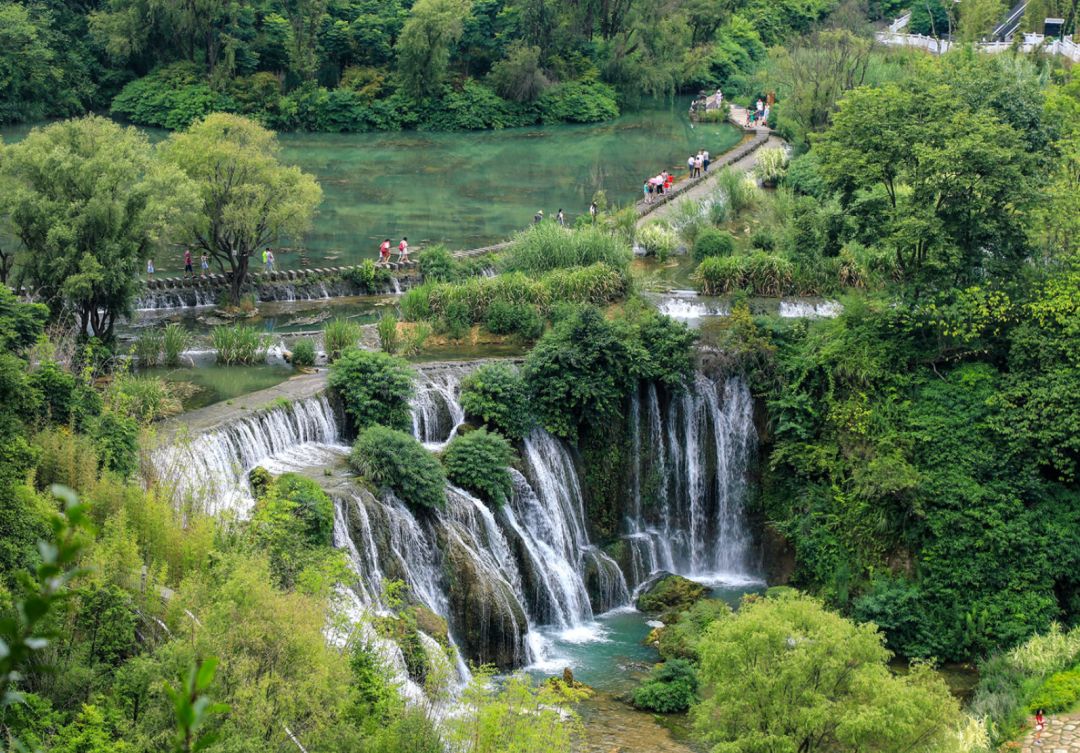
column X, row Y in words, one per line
column 346, row 65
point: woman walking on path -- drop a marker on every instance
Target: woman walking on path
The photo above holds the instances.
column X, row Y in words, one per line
column 1040, row 726
column 384, row 252
column 149, row 269
column 403, row 251
column 204, row 264
column 561, row 218
column 188, row 270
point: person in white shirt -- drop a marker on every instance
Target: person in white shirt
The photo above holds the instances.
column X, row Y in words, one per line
column 705, row 159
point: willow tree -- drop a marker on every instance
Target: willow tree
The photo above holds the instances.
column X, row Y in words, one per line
column 248, row 198
column 88, row 203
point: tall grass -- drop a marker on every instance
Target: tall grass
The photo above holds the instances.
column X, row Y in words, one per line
column 339, row 334
column 658, row 240
column 146, row 398
column 303, row 353
column 548, row 246
column 239, row 345
column 147, row 348
column 174, row 341
column 739, row 193
column 762, row 274
column 771, row 164
column 389, row 341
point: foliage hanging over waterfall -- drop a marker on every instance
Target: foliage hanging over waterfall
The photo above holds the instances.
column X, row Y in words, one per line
column 478, row 462
column 395, row 460
column 374, row 387
column 580, row 371
column 496, row 394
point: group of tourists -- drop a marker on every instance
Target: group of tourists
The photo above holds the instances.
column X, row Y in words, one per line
column 759, row 116
column 402, row 249
column 189, row 270
column 657, row 185
column 698, row 164
column 560, row 218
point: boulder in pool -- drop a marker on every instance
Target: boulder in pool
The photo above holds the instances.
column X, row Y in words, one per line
column 667, row 593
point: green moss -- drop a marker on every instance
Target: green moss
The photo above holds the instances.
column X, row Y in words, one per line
column 671, row 594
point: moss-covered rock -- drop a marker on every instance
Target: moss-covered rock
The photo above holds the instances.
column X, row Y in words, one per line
column 488, row 621
column 430, row 623
column 668, row 593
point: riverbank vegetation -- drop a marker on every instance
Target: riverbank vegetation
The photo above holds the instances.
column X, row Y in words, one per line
column 361, row 66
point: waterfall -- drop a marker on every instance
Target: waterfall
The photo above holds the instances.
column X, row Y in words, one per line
column 211, row 469
column 436, row 411
column 689, row 482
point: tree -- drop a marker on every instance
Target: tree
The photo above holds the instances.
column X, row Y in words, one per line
column 815, row 73
column 518, row 76
column 247, row 197
column 978, row 18
column 954, row 178
column 89, row 203
column 423, row 48
column 785, row 674
column 32, row 78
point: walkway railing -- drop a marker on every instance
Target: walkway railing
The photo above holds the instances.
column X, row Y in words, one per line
column 1031, row 42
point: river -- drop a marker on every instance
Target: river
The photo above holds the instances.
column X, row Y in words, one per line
column 475, row 188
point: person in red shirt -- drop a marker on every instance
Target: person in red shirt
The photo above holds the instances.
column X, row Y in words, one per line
column 1040, row 725
column 403, row 251
column 384, row 252
column 188, row 271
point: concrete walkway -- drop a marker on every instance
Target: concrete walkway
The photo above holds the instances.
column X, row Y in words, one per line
column 704, row 187
column 1062, row 735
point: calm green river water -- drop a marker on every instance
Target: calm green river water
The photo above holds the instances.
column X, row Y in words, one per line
column 472, row 189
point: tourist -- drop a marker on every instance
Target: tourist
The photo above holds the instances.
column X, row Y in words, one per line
column 560, row 218
column 760, row 106
column 705, row 159
column 699, row 162
column 592, row 211
column 403, row 251
column 646, row 188
column 265, row 253
column 765, row 117
column 150, row 269
column 690, row 165
column 538, row 217
column 666, row 179
column 719, row 97
column 188, row 271
column 384, row 252
column 1040, row 726
column 269, row 260
column 204, row 264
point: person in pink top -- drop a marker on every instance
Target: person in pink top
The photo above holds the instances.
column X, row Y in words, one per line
column 403, row 251
column 384, row 252
column 188, row 271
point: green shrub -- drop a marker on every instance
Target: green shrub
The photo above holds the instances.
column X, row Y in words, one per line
column 1060, row 692
column 456, row 321
column 65, row 458
column 720, row 275
column 239, row 344
column 438, row 265
column 395, row 460
column 769, row 275
column 314, row 507
column 366, row 276
column 147, row 347
column 375, row 388
column 116, row 439
column 171, row 97
column 578, row 102
column 711, row 242
column 657, row 240
column 671, row 594
column 679, row 640
column 303, row 352
column 478, row 462
column 763, row 238
column 174, row 341
column 669, row 345
column 548, row 246
column 58, row 388
column 496, row 395
column 389, row 341
column 519, row 319
column 670, row 688
column 339, row 335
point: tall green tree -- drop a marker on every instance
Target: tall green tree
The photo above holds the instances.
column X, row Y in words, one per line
column 785, row 674
column 955, row 179
column 247, row 198
column 89, row 204
column 426, row 41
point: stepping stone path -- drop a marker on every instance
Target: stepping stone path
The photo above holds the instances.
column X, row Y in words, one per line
column 1062, row 735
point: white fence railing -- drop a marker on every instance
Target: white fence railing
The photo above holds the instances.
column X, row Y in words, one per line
column 1065, row 47
column 900, row 23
